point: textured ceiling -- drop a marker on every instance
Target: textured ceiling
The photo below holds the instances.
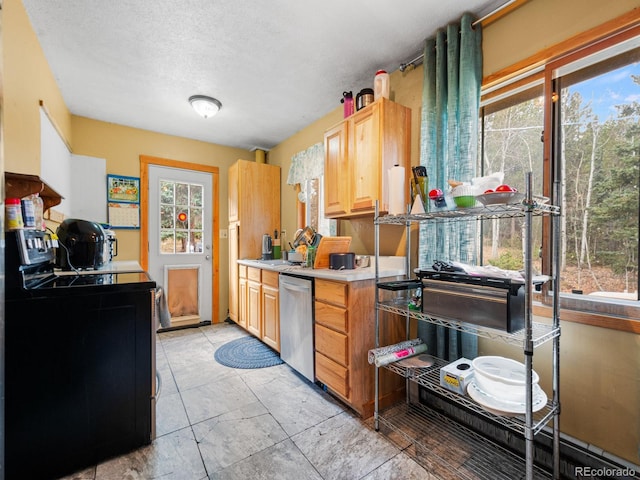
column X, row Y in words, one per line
column 276, row 66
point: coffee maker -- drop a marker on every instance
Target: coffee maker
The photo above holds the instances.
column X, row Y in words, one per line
column 267, row 247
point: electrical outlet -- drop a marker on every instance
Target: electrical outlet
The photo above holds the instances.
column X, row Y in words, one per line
column 224, row 233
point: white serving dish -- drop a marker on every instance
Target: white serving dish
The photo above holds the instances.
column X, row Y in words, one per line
column 500, row 198
column 502, row 378
column 502, row 407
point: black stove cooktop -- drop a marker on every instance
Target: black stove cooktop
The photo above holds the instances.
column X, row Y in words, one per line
column 88, row 279
column 30, row 272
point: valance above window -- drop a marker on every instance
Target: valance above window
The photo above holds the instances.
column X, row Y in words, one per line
column 307, row 165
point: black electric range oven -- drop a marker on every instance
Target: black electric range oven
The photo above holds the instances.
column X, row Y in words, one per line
column 79, row 361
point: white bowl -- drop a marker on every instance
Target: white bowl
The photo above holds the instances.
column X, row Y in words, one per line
column 463, row 191
column 502, row 378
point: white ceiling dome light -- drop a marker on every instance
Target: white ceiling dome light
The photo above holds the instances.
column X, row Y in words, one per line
column 205, row 106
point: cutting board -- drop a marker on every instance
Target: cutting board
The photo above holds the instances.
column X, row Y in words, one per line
column 329, row 245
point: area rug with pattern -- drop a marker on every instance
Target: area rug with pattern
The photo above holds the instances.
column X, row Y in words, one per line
column 247, row 352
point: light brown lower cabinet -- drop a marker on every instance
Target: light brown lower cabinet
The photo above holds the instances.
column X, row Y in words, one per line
column 243, row 285
column 270, row 310
column 254, row 297
column 344, row 334
column 259, row 304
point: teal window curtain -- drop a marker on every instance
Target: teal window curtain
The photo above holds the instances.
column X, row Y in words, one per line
column 449, row 150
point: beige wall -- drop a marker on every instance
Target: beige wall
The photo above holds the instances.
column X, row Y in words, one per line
column 600, row 367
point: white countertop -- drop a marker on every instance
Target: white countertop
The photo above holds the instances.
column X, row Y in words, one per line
column 389, row 267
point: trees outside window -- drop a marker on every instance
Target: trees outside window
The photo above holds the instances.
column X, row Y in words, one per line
column 597, row 139
column 599, row 155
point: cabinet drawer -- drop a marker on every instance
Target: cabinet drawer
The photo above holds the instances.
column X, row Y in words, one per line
column 333, row 375
column 254, row 274
column 270, row 278
column 332, row 344
column 242, row 271
column 332, row 292
column 333, row 317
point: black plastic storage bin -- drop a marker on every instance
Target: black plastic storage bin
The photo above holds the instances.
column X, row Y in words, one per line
column 483, row 301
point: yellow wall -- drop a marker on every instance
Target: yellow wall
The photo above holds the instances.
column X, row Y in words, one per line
column 540, row 24
column 27, row 80
column 594, row 411
column 122, row 146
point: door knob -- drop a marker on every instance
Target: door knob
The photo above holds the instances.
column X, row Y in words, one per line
column 207, row 257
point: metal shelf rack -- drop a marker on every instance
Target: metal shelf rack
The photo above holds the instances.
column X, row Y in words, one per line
column 529, row 338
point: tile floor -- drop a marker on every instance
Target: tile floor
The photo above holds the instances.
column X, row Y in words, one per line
column 215, row 422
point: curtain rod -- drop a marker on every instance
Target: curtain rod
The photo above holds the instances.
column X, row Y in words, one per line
column 418, row 60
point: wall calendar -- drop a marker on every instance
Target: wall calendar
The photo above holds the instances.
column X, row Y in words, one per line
column 123, row 201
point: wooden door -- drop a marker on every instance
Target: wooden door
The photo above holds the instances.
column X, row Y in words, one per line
column 336, row 175
column 243, row 299
column 233, row 271
column 254, row 291
column 233, row 197
column 258, row 200
column 271, row 316
column 364, row 158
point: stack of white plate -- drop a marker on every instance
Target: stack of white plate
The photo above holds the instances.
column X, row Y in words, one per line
column 499, row 385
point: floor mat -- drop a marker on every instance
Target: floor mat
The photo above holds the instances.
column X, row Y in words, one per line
column 247, row 352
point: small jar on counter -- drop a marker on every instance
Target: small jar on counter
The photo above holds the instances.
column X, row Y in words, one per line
column 13, row 211
column 28, row 213
column 311, row 256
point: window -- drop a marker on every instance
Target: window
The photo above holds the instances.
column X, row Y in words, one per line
column 181, row 228
column 594, row 146
column 312, row 197
column 511, row 131
column 599, row 151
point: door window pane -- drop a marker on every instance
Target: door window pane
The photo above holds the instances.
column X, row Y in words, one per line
column 181, row 214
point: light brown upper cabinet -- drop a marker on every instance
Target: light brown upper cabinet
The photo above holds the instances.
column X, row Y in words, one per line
column 359, row 151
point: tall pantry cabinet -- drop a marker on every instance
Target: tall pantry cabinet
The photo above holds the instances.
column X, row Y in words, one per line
column 254, row 209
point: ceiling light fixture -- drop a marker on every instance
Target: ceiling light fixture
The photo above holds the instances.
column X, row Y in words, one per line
column 205, row 106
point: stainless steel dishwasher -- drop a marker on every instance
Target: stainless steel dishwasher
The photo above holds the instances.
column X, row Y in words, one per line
column 296, row 324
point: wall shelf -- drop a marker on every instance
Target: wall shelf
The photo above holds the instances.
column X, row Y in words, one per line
column 20, row 185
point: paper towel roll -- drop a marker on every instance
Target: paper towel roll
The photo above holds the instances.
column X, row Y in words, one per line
column 397, row 203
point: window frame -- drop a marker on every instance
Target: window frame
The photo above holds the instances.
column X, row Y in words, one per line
column 619, row 315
